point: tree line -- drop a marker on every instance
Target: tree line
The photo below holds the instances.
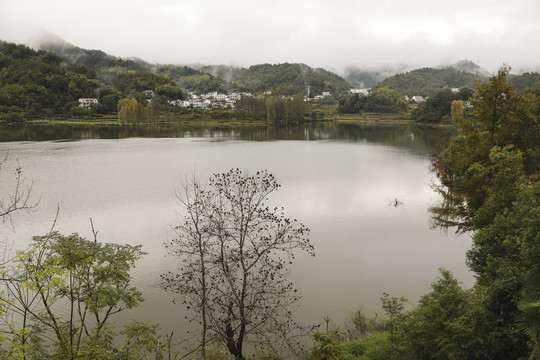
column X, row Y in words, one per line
column 274, row 109
column 437, row 108
column 380, row 100
column 427, row 81
column 40, row 83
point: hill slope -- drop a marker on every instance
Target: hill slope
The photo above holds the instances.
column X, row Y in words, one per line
column 427, row 81
column 284, row 79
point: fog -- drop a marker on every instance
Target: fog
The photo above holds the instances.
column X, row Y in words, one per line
column 329, row 34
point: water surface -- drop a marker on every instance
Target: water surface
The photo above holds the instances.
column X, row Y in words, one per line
column 339, row 180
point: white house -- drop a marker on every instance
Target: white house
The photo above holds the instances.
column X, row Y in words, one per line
column 87, row 102
column 418, row 99
column 363, row 91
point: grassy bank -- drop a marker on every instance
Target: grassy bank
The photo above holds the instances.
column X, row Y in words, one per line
column 320, row 113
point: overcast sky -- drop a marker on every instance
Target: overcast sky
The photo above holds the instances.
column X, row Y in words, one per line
column 321, row 33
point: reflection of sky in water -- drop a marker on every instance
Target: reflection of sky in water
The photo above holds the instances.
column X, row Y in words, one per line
column 341, row 190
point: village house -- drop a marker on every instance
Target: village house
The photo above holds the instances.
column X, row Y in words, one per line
column 211, row 100
column 87, row 102
column 364, row 91
column 149, row 93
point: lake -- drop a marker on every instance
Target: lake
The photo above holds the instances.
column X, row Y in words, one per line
column 338, row 179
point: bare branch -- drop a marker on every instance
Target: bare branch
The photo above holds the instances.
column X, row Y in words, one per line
column 234, row 256
column 20, row 197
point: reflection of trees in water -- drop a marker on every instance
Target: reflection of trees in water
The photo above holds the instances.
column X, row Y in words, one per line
column 419, row 139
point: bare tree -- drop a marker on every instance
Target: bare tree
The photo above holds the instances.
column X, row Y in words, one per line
column 235, row 254
column 192, row 246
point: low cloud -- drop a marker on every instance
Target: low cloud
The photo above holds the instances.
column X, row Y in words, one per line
column 321, row 34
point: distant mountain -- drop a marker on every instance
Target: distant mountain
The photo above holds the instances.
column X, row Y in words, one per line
column 366, row 78
column 104, row 64
column 427, row 81
column 95, row 59
column 470, row 67
column 40, row 83
column 526, row 80
column 284, row 79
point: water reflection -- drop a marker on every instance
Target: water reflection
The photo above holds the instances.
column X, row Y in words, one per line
column 409, row 136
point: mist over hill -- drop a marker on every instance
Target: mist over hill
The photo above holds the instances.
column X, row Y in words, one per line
column 282, row 79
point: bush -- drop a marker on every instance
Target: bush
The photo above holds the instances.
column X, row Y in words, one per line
column 376, row 347
column 14, row 117
column 330, row 345
column 78, row 111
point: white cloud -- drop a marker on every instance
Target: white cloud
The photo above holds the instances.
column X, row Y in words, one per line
column 330, row 34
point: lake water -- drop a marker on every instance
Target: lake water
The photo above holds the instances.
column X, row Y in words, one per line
column 339, row 180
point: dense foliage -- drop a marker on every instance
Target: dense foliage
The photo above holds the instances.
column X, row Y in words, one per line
column 102, row 63
column 490, row 186
column 59, row 298
column 281, row 79
column 37, row 82
column 526, row 80
column 274, row 109
column 380, row 100
column 437, row 108
column 427, row 81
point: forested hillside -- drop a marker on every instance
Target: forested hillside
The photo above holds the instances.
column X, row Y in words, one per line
column 38, row 82
column 427, row 81
column 365, row 78
column 283, row 79
column 102, row 63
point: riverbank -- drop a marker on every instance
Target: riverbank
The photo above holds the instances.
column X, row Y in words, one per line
column 368, row 118
column 212, row 118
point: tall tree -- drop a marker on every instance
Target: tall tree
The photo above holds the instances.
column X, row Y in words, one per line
column 502, row 117
column 235, row 254
column 489, row 177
